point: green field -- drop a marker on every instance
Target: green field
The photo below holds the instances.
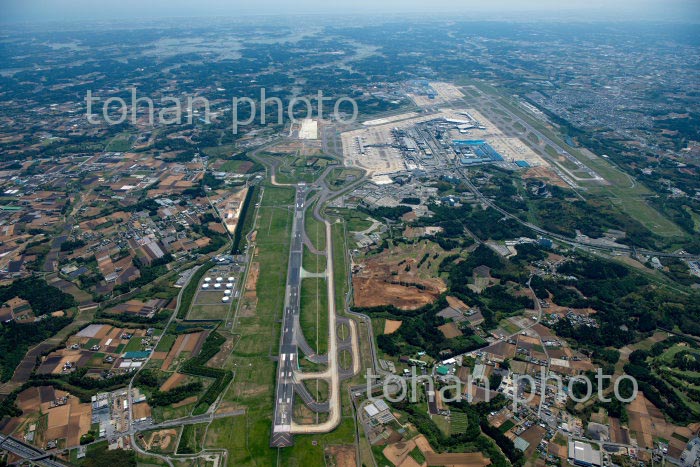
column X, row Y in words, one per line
column 341, row 177
column 314, row 313
column 345, row 359
column 120, row 143
column 134, row 344
column 315, row 230
column 165, row 343
column 302, row 169
column 459, row 422
column 313, row 263
column 340, row 266
column 191, row 289
column 219, row 151
column 506, row 426
column 233, row 166
column 356, row 221
column 209, row 312
column 318, row 388
column 191, row 438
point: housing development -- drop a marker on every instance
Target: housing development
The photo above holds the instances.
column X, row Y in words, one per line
column 480, row 255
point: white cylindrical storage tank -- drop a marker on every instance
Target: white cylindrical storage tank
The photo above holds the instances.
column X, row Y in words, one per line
column 207, row 279
column 217, row 286
column 227, row 292
column 231, row 279
column 229, row 285
column 219, row 279
column 205, row 286
column 225, row 299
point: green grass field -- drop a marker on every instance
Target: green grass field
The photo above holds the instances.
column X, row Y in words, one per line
column 459, row 422
column 212, row 312
column 506, row 426
column 314, row 313
column 356, row 221
column 315, row 230
column 191, row 438
column 191, row 290
column 340, row 266
column 297, row 169
column 220, row 151
column 166, row 342
column 318, row 388
column 345, row 359
column 134, row 344
column 233, row 166
column 341, row 177
column 120, row 143
column 313, row 263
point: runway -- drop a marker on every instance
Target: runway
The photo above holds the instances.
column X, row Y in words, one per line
column 284, row 394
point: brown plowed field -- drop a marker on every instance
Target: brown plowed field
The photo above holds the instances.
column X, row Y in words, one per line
column 185, row 343
column 171, row 382
column 391, row 326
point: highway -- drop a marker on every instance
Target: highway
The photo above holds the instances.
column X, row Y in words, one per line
column 204, row 418
column 25, row 451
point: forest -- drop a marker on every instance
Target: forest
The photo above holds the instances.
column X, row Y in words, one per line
column 51, row 299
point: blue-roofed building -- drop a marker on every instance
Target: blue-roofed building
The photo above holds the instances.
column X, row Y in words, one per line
column 482, row 150
column 468, row 142
column 136, row 355
column 473, row 160
column 522, row 164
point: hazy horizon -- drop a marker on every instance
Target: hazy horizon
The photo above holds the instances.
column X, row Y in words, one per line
column 591, row 10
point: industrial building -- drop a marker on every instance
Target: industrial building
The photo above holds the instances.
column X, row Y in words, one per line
column 475, row 152
column 583, row 454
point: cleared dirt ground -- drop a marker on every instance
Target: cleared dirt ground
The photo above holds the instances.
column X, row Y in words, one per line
column 391, row 326
column 394, row 277
column 162, row 439
column 344, row 456
column 545, row 173
column 373, row 292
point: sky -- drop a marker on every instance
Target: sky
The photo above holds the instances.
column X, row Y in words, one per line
column 60, row 10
